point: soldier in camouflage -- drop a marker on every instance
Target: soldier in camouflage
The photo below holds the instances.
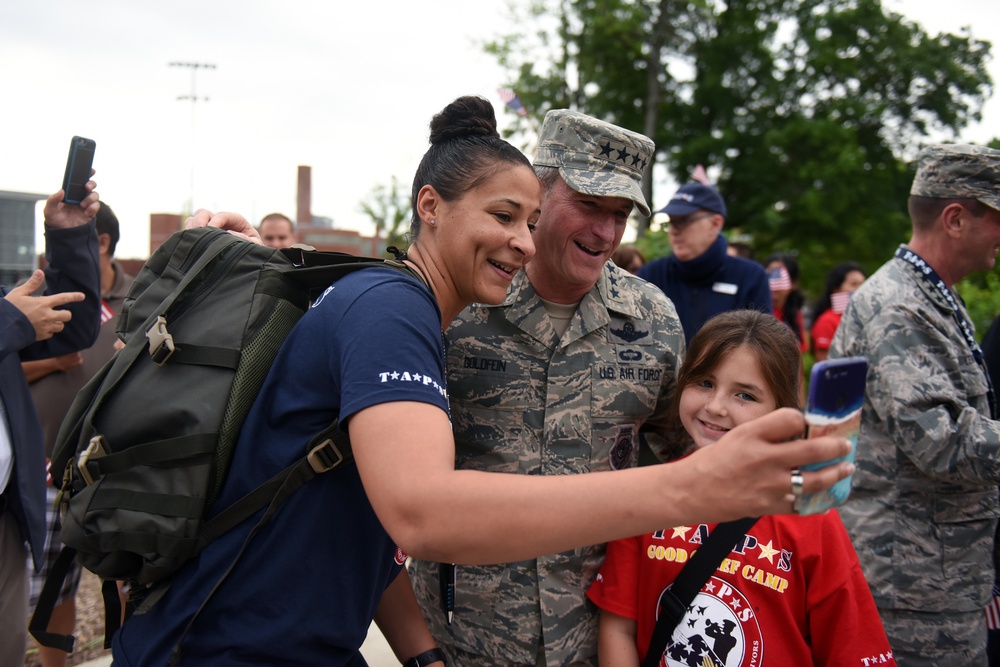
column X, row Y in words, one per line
column 562, row 377
column 924, row 505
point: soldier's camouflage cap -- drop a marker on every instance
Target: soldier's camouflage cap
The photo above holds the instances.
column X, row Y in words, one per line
column 594, row 157
column 950, row 171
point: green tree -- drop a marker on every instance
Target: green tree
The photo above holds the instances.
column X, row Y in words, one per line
column 388, row 207
column 981, row 294
column 807, row 112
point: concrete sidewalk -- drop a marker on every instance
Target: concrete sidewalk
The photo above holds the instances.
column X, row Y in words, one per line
column 375, row 649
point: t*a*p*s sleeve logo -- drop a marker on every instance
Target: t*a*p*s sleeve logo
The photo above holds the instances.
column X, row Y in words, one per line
column 413, row 378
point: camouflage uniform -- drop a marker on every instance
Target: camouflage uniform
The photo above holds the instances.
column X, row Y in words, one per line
column 526, row 402
column 924, row 506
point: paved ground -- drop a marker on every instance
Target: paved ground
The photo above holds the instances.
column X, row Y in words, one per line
column 375, row 650
column 90, row 634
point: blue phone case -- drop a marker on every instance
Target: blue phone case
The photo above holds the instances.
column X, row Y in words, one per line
column 836, row 394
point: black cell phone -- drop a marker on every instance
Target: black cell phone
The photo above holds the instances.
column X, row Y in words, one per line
column 78, row 167
column 836, row 395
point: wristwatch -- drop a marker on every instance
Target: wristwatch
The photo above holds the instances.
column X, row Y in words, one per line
column 425, row 658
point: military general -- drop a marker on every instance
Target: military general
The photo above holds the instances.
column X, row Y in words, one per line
column 563, row 377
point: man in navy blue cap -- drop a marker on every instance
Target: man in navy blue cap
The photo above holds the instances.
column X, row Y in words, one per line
column 700, row 277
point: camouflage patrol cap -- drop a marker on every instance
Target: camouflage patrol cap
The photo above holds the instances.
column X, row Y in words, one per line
column 594, row 157
column 951, row 171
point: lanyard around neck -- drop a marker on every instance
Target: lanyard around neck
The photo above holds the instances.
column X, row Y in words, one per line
column 930, row 276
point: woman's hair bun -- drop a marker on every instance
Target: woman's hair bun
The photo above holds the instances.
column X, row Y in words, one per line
column 468, row 116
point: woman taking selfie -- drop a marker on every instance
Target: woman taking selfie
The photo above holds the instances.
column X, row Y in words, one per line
column 370, row 353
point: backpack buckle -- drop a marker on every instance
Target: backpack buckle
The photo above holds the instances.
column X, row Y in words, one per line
column 94, row 450
column 325, row 456
column 161, row 343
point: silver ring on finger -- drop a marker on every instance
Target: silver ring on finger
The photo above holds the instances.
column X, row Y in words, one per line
column 797, row 483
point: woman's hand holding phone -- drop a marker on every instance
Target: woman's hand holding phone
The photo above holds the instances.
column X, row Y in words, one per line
column 836, row 396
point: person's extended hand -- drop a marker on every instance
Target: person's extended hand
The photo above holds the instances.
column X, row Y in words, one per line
column 234, row 223
column 68, row 362
column 748, row 471
column 42, row 311
column 61, row 215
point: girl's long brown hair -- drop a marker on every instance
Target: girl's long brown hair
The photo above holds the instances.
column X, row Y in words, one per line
column 772, row 342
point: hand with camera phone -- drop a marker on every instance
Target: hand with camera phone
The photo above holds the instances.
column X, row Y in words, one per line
column 833, row 408
column 77, row 203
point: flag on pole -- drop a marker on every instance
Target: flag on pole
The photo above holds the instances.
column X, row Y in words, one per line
column 699, row 175
column 511, row 99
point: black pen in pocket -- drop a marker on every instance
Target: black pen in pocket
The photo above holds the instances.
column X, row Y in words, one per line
column 447, row 578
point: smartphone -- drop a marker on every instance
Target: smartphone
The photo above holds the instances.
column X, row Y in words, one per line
column 836, row 394
column 78, row 167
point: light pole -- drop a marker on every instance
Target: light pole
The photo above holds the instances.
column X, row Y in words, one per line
column 193, row 97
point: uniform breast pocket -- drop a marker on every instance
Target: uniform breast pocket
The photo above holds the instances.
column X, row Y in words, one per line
column 488, row 408
column 623, row 395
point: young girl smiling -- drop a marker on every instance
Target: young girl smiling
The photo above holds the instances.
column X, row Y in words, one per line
column 792, row 591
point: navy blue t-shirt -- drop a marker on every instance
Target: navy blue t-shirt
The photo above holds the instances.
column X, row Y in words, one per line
column 305, row 590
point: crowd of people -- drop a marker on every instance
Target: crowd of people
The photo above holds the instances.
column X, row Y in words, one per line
column 498, row 512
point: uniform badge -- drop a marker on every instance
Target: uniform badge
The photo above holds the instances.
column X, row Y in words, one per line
column 621, row 453
column 628, row 333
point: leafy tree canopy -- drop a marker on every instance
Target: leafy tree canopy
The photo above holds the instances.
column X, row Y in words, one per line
column 389, row 210
column 806, row 113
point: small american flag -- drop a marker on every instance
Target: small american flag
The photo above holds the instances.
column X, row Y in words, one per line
column 106, row 312
column 511, row 99
column 993, row 610
column 838, row 301
column 778, row 279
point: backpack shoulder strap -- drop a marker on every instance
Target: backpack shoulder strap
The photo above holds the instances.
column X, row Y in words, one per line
column 690, row 580
column 316, row 277
column 38, row 626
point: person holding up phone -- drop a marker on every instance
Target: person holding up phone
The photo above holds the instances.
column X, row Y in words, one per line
column 924, row 504
column 792, row 591
column 383, row 377
column 64, row 320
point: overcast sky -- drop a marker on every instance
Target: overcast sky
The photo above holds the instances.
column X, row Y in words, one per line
column 347, row 88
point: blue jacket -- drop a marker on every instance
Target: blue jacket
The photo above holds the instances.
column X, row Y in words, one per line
column 709, row 284
column 72, row 257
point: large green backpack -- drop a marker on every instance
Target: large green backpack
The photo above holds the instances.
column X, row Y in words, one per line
column 145, row 447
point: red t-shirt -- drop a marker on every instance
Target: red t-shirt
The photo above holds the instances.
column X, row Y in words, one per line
column 824, row 328
column 792, row 594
